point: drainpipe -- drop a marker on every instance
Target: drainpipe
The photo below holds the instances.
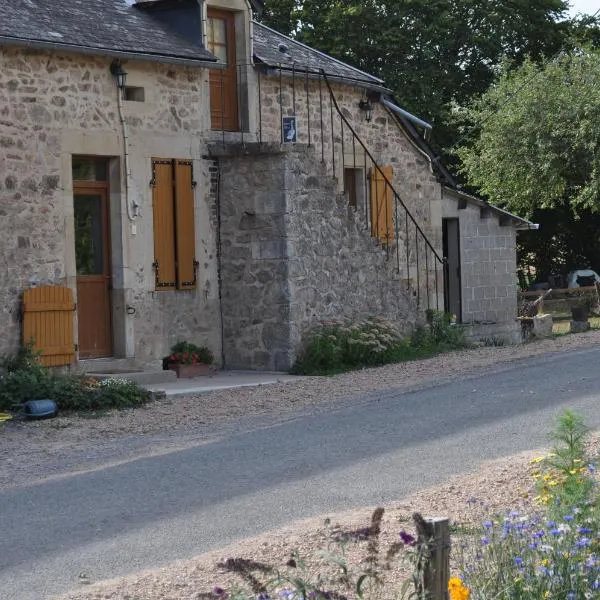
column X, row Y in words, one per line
column 130, row 215
column 203, row 22
column 250, row 32
column 219, row 263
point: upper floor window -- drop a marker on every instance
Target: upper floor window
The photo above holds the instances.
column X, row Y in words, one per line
column 221, row 41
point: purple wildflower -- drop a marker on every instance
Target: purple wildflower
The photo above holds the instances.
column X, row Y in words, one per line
column 584, row 530
column 568, row 517
column 488, row 524
column 407, row 539
column 518, row 561
column 485, row 541
column 219, row 591
column 583, row 542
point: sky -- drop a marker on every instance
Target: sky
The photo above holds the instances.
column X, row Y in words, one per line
column 584, row 6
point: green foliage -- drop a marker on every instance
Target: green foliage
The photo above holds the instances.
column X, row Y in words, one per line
column 434, row 55
column 339, row 345
column 26, row 379
column 25, row 358
column 535, row 152
column 564, row 479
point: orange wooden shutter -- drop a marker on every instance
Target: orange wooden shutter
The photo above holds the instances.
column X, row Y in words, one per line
column 184, row 225
column 164, row 224
column 48, row 313
column 382, row 204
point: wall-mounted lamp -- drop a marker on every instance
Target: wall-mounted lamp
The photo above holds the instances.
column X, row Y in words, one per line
column 367, row 108
column 119, row 73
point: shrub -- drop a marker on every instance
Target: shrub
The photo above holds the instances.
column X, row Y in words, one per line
column 339, row 345
column 26, row 379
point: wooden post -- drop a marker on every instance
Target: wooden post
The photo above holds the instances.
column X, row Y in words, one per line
column 434, row 541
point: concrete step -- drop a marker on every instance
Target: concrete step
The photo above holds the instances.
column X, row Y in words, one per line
column 141, row 377
column 124, row 368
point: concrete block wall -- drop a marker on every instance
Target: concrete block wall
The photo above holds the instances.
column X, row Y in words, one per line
column 488, row 265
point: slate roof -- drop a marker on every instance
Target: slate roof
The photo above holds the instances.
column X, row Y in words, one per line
column 97, row 27
column 267, row 44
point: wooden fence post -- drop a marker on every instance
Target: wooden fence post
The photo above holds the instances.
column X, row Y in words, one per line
column 434, row 541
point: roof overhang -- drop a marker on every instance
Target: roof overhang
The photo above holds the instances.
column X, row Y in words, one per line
column 519, row 223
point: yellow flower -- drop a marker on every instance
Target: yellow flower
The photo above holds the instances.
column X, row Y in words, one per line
column 537, row 460
column 457, row 590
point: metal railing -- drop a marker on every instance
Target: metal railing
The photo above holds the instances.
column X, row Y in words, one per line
column 309, row 112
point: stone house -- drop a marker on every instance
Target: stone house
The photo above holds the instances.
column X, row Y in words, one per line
column 183, row 172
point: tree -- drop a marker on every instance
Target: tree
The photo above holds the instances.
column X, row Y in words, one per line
column 537, row 153
column 433, row 54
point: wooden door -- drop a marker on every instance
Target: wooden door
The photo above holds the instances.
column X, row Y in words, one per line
column 223, row 82
column 92, row 254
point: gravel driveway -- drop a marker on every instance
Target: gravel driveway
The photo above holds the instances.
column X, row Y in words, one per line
column 33, row 451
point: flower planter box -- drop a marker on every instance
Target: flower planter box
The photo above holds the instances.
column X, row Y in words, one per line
column 185, row 371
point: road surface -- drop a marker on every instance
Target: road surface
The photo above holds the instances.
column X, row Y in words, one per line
column 375, row 449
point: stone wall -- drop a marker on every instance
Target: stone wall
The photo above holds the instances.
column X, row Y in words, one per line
column 54, row 106
column 294, row 253
column 383, row 137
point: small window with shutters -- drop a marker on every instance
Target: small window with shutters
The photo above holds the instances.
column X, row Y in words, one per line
column 382, row 204
column 175, row 262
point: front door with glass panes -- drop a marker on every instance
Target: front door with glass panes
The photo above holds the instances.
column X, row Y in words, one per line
column 223, row 82
column 92, row 255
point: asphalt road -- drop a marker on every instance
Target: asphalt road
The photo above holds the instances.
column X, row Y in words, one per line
column 378, row 448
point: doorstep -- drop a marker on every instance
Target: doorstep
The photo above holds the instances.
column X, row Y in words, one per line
column 221, row 380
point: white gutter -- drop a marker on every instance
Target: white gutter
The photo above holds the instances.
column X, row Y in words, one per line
column 404, row 113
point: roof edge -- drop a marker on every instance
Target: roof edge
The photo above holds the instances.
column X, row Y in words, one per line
column 336, row 60
column 96, row 51
column 520, row 224
column 315, row 74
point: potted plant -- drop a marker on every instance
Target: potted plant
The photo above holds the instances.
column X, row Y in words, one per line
column 189, row 360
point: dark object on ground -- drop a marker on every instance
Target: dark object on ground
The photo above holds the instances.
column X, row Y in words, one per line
column 40, row 409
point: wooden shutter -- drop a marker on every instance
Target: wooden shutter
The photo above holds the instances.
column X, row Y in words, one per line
column 164, row 224
column 382, row 204
column 184, row 225
column 48, row 313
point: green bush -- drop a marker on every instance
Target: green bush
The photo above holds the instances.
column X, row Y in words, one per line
column 26, row 379
column 339, row 345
